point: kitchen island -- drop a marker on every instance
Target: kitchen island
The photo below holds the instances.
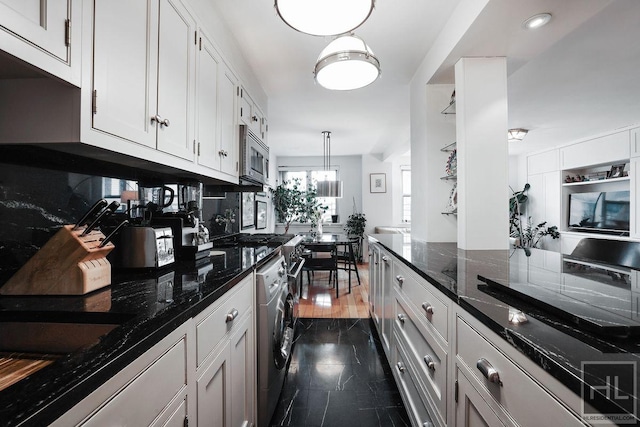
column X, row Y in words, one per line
column 566, row 324
column 146, row 306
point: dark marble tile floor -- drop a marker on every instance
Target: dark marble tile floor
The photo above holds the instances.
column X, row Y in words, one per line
column 339, row 376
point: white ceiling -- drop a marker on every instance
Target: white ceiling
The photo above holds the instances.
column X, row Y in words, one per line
column 576, row 77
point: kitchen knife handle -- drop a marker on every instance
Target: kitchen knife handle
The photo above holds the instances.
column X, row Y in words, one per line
column 97, row 207
column 113, row 233
column 95, row 222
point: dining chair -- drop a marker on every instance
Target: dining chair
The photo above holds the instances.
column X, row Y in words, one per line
column 322, row 257
column 346, row 258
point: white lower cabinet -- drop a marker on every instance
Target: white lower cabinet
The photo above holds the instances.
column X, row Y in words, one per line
column 161, row 376
column 471, row 409
column 226, row 381
column 202, row 373
column 512, row 395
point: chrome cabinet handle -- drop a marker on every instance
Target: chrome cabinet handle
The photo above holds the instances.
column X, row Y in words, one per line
column 160, row 120
column 254, row 118
column 231, row 316
column 400, row 280
column 385, row 259
column 428, row 308
column 430, row 363
column 401, row 367
column 489, row 372
column 223, row 153
column 401, row 318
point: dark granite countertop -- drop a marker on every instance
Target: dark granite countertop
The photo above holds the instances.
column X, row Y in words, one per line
column 147, row 305
column 594, row 330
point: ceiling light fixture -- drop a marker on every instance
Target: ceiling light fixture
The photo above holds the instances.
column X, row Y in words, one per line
column 516, row 134
column 346, row 63
column 324, row 17
column 537, row 21
column 328, row 188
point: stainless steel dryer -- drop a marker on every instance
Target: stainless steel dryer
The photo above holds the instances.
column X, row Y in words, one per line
column 274, row 334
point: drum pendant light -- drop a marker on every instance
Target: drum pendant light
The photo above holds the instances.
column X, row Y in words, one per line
column 346, row 63
column 324, row 17
column 328, row 188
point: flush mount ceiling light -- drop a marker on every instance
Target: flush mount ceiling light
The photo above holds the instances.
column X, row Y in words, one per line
column 537, row 21
column 328, row 188
column 346, row 63
column 516, row 134
column 324, row 17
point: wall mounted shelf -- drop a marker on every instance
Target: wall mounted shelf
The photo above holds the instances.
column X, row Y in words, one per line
column 600, row 181
column 448, row 177
column 451, row 108
column 450, row 147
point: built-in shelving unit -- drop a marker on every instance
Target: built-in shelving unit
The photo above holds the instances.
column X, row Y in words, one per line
column 599, row 181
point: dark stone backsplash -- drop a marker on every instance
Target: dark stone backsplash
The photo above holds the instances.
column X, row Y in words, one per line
column 35, row 202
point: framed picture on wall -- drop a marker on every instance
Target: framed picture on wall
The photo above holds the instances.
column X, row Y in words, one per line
column 247, row 206
column 261, row 215
column 377, row 183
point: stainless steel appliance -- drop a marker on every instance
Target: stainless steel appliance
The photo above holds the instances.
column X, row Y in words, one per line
column 145, row 247
column 292, row 251
column 274, row 333
column 254, row 157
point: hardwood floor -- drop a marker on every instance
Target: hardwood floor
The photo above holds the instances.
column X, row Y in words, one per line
column 319, row 300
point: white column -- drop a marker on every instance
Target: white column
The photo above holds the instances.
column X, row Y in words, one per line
column 483, row 156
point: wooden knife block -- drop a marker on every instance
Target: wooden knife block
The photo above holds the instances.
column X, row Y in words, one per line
column 68, row 264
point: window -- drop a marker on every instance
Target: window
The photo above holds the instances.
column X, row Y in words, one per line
column 313, row 176
column 406, row 193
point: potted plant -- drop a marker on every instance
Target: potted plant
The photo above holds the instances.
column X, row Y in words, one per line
column 292, row 203
column 355, row 229
column 526, row 234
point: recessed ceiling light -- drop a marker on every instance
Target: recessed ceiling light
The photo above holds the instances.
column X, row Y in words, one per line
column 537, row 21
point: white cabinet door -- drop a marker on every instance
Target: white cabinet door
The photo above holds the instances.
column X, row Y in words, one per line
column 214, row 403
column 242, row 373
column 471, row 409
column 124, row 69
column 606, row 149
column 209, row 64
column 634, row 136
column 39, row 22
column 229, row 133
column 176, row 79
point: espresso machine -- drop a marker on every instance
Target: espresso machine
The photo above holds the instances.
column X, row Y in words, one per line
column 191, row 236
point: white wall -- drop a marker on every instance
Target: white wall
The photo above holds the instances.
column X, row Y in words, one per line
column 378, row 207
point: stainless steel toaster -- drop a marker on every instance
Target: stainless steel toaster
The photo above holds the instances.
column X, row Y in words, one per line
column 146, row 247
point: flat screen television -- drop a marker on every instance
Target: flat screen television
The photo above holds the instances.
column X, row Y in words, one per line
column 606, row 211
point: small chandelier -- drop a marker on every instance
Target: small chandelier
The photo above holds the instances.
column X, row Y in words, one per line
column 346, row 63
column 518, row 134
column 324, row 17
column 328, row 188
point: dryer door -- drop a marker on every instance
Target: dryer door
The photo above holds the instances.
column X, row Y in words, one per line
column 283, row 329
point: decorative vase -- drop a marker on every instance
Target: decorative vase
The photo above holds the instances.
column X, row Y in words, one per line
column 227, row 227
column 319, row 229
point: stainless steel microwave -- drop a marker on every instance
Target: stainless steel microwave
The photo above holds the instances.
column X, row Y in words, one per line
column 254, row 157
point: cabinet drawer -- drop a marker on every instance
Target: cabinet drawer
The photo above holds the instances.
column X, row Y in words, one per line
column 424, row 301
column 425, row 354
column 213, row 325
column 157, row 386
column 508, row 395
column 406, row 380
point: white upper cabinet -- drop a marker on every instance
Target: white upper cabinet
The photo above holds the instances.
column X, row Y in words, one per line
column 606, row 149
column 252, row 116
column 176, row 79
column 216, row 124
column 634, row 136
column 229, row 133
column 144, row 73
column 41, row 32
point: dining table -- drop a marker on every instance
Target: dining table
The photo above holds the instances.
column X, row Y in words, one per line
column 339, row 239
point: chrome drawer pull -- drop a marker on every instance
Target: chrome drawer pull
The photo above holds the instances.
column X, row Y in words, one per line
column 488, row 371
column 400, row 280
column 427, row 307
column 401, row 318
column 430, row 363
column 401, row 367
column 385, row 259
column 231, row 316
